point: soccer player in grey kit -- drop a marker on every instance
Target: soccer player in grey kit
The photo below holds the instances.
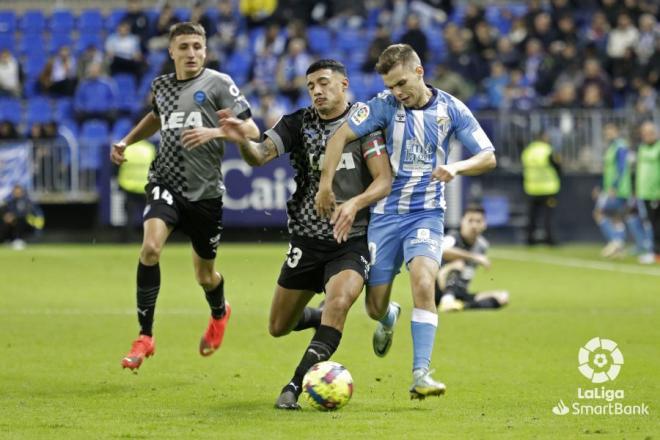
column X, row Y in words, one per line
column 185, row 180
column 324, row 255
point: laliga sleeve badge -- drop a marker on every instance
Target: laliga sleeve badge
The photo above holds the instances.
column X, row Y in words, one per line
column 199, row 97
column 360, row 115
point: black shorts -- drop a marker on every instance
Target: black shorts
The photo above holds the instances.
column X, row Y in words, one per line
column 200, row 220
column 310, row 263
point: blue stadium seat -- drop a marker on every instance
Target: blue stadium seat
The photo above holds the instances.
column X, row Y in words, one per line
column 7, row 41
column 91, row 20
column 58, row 40
column 127, row 87
column 182, row 14
column 10, row 110
column 121, row 128
column 32, row 46
column 320, row 40
column 64, row 109
column 238, row 66
column 8, row 21
column 89, row 39
column 34, row 64
column 94, row 134
column 62, row 20
column 352, row 40
column 33, row 22
column 114, row 18
column 39, row 111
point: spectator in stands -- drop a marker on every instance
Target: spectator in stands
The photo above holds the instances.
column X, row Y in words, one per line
column 270, row 40
column 518, row 95
column 593, row 75
column 8, row 131
column 10, row 74
column 592, row 97
column 565, row 96
column 463, row 61
column 291, row 79
column 263, row 73
column 228, row 37
column 507, row 53
column 269, row 111
column 198, row 15
column 60, row 75
column 484, row 41
column 518, row 33
column 649, row 33
column 597, row 32
column 625, row 71
column 534, row 8
column 138, row 21
column 91, row 55
column 474, row 13
column 622, row 37
column 611, row 9
column 495, row 85
column 123, row 51
column 415, row 37
column 534, row 55
column 159, row 38
column 566, row 29
column 377, row 45
column 96, row 96
column 432, row 12
column 19, row 218
column 452, row 83
column 257, row 12
column 543, row 30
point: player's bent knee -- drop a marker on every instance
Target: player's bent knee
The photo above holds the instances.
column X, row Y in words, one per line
column 503, row 297
column 276, row 329
column 150, row 252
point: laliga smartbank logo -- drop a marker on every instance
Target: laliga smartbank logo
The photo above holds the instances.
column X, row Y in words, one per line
column 600, row 360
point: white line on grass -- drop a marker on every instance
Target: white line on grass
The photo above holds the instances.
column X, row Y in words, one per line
column 534, row 257
column 86, row 312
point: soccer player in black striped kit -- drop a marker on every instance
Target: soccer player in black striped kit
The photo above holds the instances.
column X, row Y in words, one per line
column 331, row 256
column 185, row 180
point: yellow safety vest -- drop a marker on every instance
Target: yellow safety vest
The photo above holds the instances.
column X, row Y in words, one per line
column 540, row 178
column 133, row 173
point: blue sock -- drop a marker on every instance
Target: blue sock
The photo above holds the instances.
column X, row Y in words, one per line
column 606, row 229
column 390, row 317
column 641, row 233
column 423, row 327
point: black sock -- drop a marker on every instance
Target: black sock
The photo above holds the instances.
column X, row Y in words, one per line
column 456, row 285
column 311, row 317
column 216, row 300
column 323, row 345
column 148, row 285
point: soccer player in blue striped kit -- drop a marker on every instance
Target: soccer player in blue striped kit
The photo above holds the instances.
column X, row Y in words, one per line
column 418, row 121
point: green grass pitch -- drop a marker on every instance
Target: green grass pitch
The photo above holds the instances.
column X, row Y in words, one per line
column 67, row 318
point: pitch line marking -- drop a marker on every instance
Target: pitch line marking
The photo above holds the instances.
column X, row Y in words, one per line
column 533, row 257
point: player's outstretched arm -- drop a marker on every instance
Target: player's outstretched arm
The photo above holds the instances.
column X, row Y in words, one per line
column 454, row 253
column 194, row 137
column 144, row 129
column 254, row 153
column 325, row 198
column 381, row 185
column 475, row 165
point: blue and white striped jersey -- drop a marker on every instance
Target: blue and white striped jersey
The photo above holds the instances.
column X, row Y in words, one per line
column 417, row 141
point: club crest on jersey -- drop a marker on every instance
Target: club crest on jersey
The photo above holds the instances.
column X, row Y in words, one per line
column 360, row 115
column 443, row 124
column 199, row 97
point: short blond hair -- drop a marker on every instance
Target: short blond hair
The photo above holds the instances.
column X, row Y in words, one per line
column 396, row 54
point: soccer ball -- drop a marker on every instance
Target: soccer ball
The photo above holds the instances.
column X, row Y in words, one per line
column 328, row 386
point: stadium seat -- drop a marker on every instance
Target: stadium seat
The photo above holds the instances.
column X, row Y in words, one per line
column 61, row 21
column 7, row 41
column 33, row 22
column 39, row 111
column 183, row 14
column 114, row 18
column 127, row 87
column 89, row 39
column 93, row 136
column 10, row 110
column 33, row 65
column 8, row 21
column 64, row 109
column 121, row 128
column 58, row 40
column 238, row 66
column 320, row 40
column 91, row 20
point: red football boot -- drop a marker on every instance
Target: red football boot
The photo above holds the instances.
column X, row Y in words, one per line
column 143, row 347
column 212, row 339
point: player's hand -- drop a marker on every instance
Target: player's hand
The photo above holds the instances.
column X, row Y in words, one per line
column 324, row 202
column 444, row 173
column 117, row 153
column 233, row 129
column 482, row 260
column 342, row 219
column 194, row 137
